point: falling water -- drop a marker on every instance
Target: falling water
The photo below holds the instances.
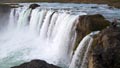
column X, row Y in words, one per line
column 48, row 33
column 23, row 18
column 38, row 34
column 11, row 18
column 80, row 57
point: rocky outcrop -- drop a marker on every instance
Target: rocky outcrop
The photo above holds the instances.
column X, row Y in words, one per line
column 33, row 6
column 106, row 49
column 89, row 23
column 36, row 64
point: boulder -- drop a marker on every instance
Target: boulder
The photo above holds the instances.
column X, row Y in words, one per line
column 33, row 6
column 106, row 49
column 36, row 64
column 89, row 23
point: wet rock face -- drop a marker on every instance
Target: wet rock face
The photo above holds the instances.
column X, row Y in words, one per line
column 4, row 8
column 4, row 15
column 36, row 64
column 89, row 23
column 33, row 6
column 106, row 52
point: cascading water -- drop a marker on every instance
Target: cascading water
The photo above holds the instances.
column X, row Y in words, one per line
column 80, row 57
column 38, row 34
column 48, row 34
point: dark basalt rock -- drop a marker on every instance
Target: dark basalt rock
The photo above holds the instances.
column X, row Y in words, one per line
column 36, row 64
column 94, row 7
column 89, row 23
column 33, row 6
column 106, row 49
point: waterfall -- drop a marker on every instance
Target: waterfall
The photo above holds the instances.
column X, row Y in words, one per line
column 23, row 18
column 35, row 15
column 79, row 59
column 38, row 34
column 11, row 18
column 44, row 28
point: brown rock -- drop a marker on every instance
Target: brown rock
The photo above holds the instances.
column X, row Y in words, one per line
column 89, row 23
column 106, row 49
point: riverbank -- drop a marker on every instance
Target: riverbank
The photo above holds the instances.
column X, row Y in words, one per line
column 115, row 3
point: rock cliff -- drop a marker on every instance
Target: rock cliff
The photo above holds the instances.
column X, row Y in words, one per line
column 106, row 49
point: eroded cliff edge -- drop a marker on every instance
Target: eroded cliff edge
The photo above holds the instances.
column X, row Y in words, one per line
column 105, row 52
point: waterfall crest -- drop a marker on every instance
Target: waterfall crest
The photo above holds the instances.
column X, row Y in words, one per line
column 38, row 34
